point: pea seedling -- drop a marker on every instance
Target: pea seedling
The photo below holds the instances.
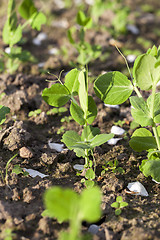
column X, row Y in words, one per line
column 84, row 113
column 12, row 32
column 118, row 205
column 87, row 52
column 67, row 205
column 34, row 113
column 113, row 166
column 115, row 88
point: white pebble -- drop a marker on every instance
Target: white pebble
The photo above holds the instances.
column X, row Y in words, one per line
column 131, row 58
column 93, row 229
column 56, row 146
column 41, row 64
column 133, row 29
column 111, row 106
column 53, row 51
column 40, row 37
column 78, row 167
column 113, row 141
column 117, row 130
column 34, row 173
column 137, row 188
column 7, row 50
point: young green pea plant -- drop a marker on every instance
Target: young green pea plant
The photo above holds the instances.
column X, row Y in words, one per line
column 67, row 205
column 86, row 51
column 84, row 111
column 115, row 88
column 118, row 205
column 12, row 33
column 34, row 113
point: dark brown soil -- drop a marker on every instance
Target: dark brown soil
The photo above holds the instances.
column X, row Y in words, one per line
column 21, row 197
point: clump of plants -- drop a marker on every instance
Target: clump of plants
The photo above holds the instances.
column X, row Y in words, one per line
column 67, row 205
column 12, row 33
column 115, row 88
column 118, row 205
column 84, row 111
column 86, row 51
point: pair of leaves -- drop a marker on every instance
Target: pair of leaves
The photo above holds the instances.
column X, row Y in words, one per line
column 76, row 83
column 66, row 205
column 113, row 88
column 29, row 12
column 84, row 21
column 89, row 139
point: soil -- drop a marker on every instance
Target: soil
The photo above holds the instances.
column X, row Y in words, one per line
column 21, row 196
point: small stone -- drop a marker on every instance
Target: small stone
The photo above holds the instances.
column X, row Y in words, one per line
column 24, row 152
column 93, row 229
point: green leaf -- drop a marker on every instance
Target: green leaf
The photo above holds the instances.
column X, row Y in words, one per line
column 140, row 111
column 17, row 169
column 15, row 36
column 123, row 204
column 145, row 72
column 151, row 168
column 152, row 51
column 77, row 113
column 156, row 107
column 57, row 95
column 92, row 110
column 71, row 81
column 100, row 139
column 89, row 184
column 118, row 212
column 89, row 132
column 61, row 203
column 115, row 205
column 83, row 91
column 90, row 174
column 119, row 199
column 90, row 201
column 142, row 139
column 113, row 88
column 37, row 20
column 3, row 111
column 84, row 21
column 27, row 9
column 70, row 138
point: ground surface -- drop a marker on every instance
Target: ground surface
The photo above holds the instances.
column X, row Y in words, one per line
column 21, row 199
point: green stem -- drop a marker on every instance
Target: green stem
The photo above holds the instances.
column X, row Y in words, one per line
column 75, row 225
column 6, row 176
column 137, row 91
column 156, row 136
column 152, row 115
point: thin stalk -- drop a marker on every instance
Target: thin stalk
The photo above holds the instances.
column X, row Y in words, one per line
column 137, row 91
column 6, row 176
column 152, row 115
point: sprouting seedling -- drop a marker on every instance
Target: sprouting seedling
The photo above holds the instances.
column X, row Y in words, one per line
column 113, row 166
column 34, row 113
column 86, row 51
column 12, row 32
column 118, row 205
column 115, row 88
column 5, row 176
column 83, row 110
column 67, row 205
